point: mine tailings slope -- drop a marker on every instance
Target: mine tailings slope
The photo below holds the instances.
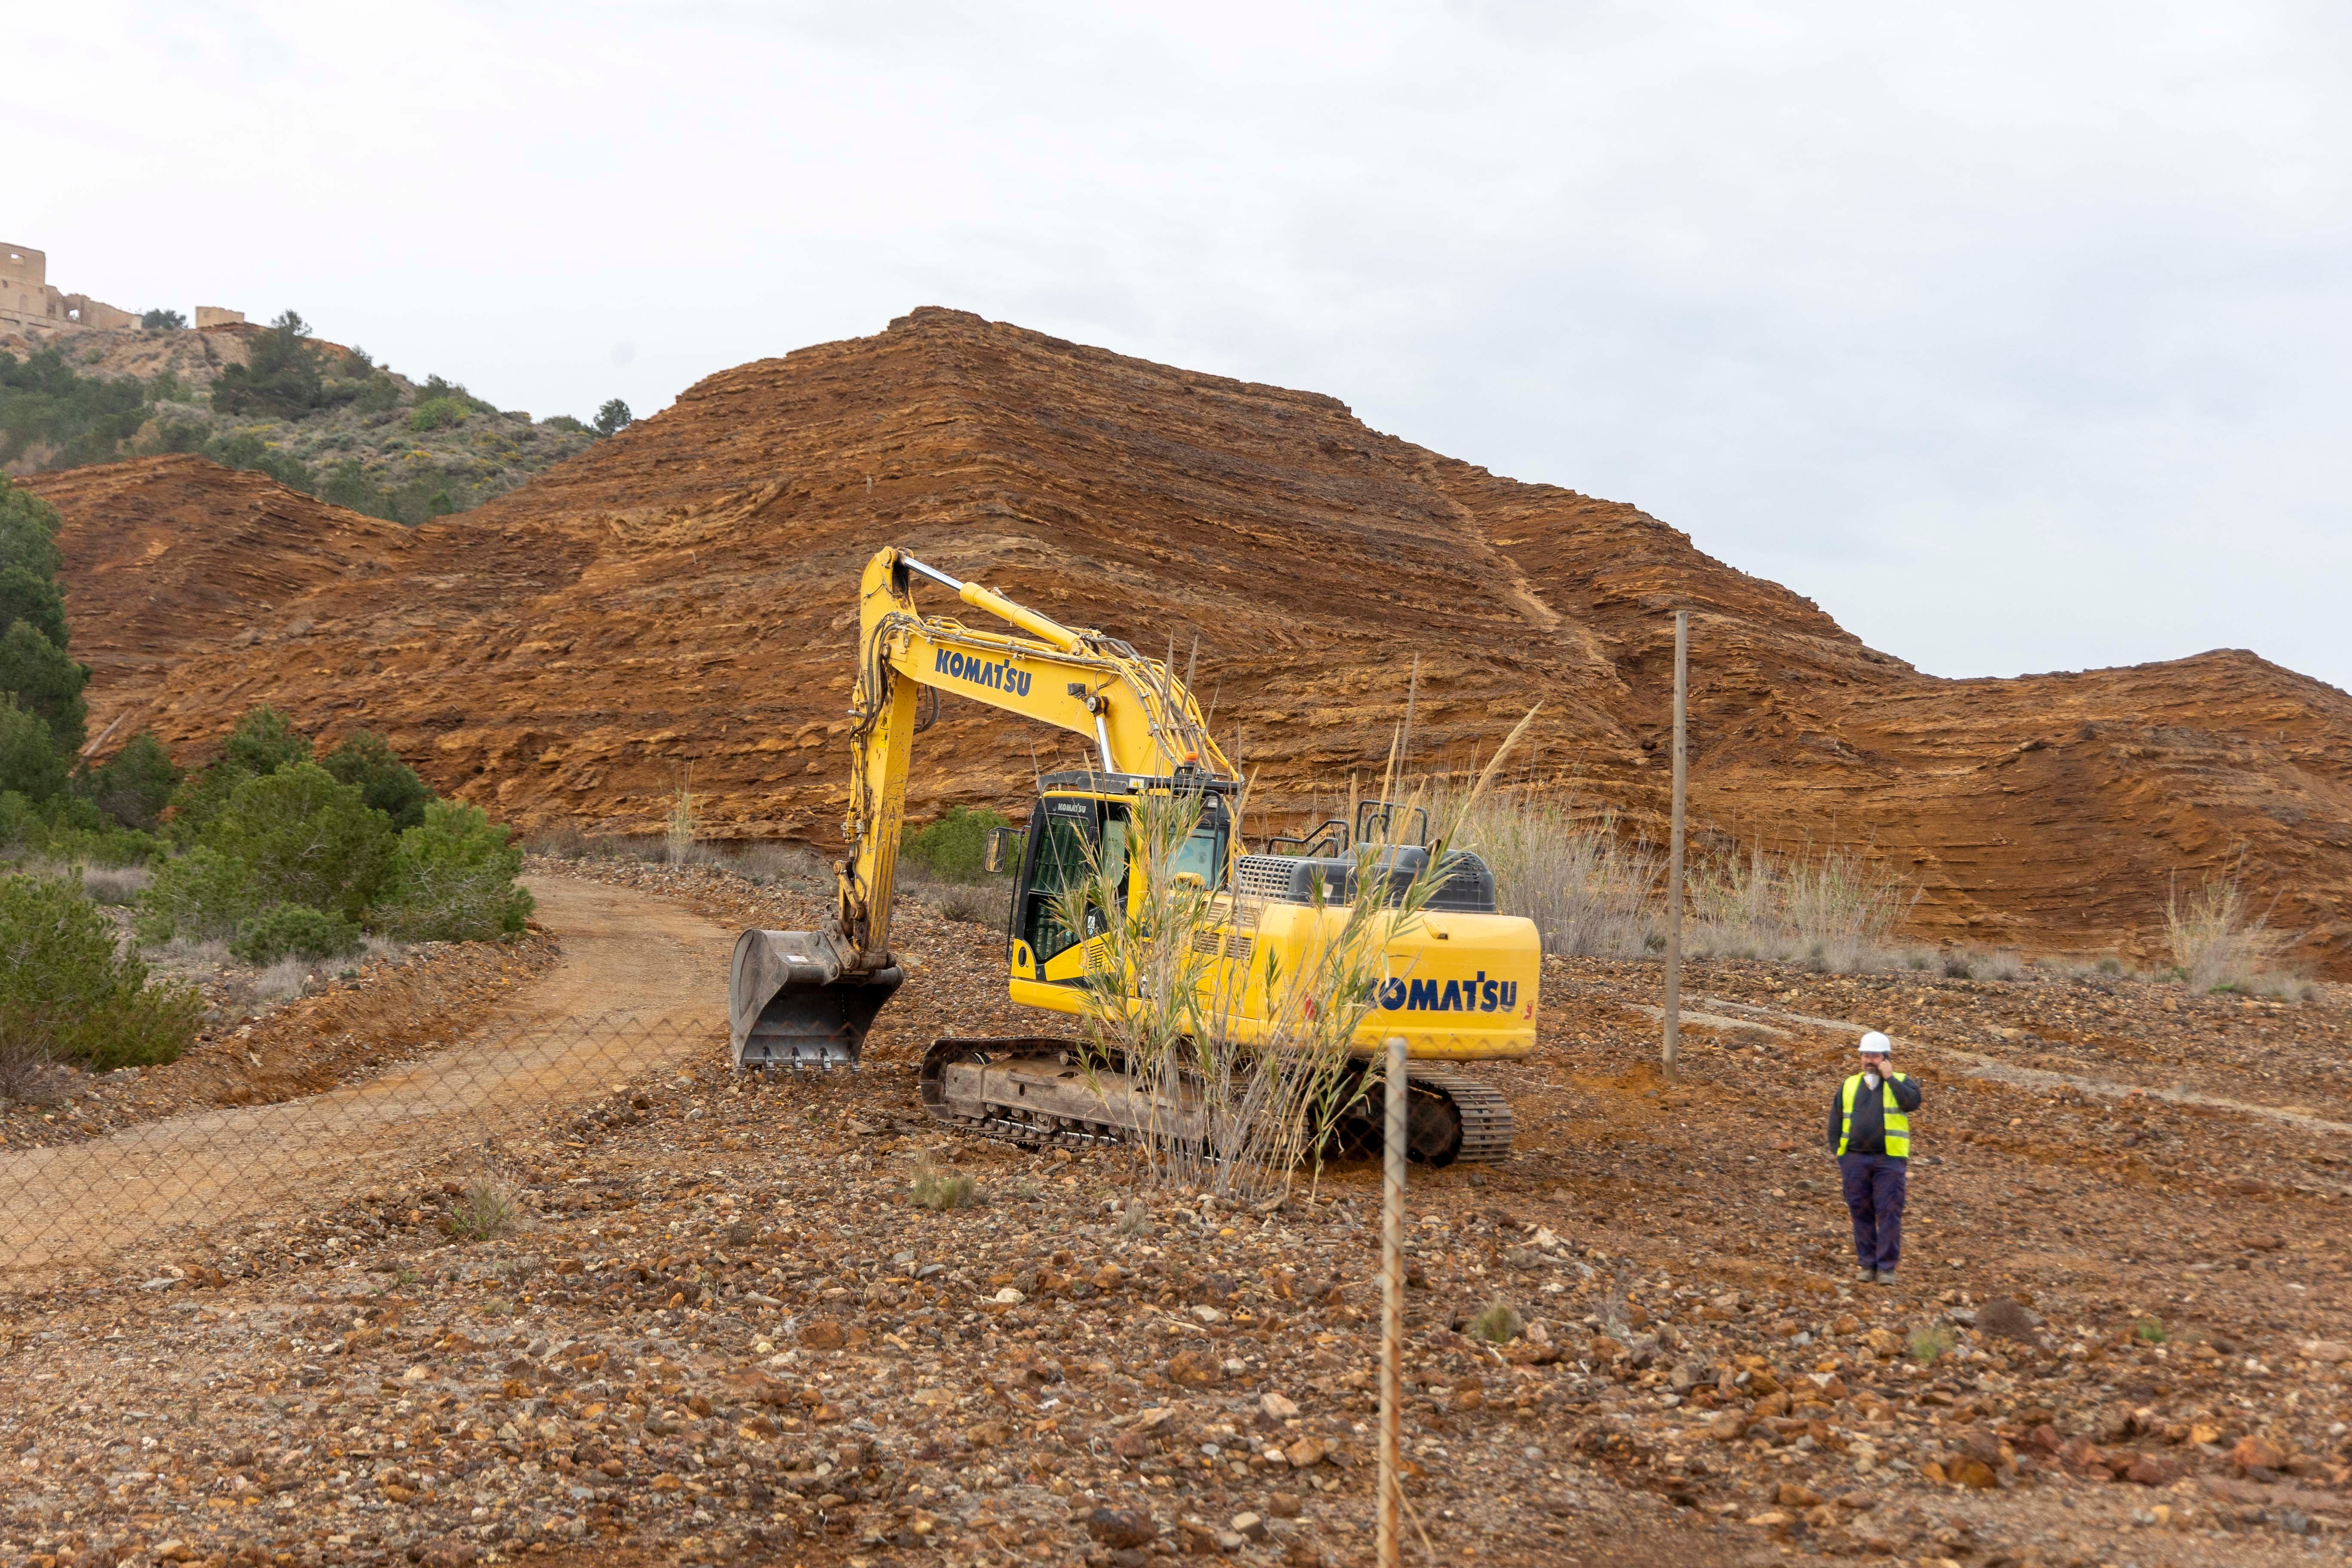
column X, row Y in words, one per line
column 683, row 594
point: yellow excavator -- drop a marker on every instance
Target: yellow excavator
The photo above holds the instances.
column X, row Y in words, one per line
column 1461, row 980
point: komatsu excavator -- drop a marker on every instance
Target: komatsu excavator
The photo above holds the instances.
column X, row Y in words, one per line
column 1462, row 979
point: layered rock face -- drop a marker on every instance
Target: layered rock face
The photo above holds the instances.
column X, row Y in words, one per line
column 681, row 597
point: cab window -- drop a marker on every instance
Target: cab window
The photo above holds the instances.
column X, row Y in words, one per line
column 1071, row 837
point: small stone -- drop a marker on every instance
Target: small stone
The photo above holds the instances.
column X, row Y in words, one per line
column 1727, row 1428
column 1303, row 1452
column 2255, row 1453
column 988, row 1434
column 1120, row 1527
column 1195, row 1369
column 2147, row 1470
column 1973, row 1473
column 1285, row 1505
column 1251, row 1525
column 1793, row 1494
column 1277, row 1406
column 1008, row 1297
column 823, row 1334
column 2330, row 1352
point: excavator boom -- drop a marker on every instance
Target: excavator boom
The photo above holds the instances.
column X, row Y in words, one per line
column 809, row 997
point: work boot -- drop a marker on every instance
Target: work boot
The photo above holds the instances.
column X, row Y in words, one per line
column 1865, row 1276
column 1884, row 1276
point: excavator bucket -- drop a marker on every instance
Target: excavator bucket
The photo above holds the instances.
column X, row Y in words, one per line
column 791, row 1002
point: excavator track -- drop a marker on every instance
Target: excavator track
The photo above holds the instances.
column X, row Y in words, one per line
column 1033, row 1092
column 1471, row 1125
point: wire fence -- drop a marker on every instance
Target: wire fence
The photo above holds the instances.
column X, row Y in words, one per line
column 461, row 1112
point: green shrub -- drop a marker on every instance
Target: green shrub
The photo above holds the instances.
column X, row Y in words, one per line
column 30, row 766
column 378, row 394
column 199, row 895
column 386, row 783
column 163, row 318
column 80, row 418
column 954, row 847
column 136, row 784
column 294, row 930
column 28, row 529
column 104, row 845
column 438, row 413
column 263, row 742
column 307, row 839
column 66, row 993
column 246, row 450
column 46, row 681
column 36, row 600
column 283, row 377
column 453, row 879
column 569, row 425
column 614, row 418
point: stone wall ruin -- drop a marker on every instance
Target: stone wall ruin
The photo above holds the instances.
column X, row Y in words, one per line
column 28, row 299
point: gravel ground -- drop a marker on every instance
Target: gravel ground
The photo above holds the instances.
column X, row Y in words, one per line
column 723, row 1332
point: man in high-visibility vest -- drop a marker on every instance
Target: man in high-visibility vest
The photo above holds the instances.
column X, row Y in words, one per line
column 1870, row 1129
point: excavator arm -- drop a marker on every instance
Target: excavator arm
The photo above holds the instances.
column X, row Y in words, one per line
column 808, row 998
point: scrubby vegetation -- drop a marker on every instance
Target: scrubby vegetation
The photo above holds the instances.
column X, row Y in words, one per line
column 313, row 416
column 289, row 854
column 277, row 851
column 67, row 995
column 953, row 848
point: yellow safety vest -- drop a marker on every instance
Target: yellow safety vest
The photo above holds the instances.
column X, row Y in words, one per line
column 1898, row 1126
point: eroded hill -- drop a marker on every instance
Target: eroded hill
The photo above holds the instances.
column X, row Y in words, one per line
column 682, row 595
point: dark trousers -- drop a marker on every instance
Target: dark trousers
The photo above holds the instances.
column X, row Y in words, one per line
column 1873, row 1195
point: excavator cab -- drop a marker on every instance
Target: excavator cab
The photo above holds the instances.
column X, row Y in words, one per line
column 1081, row 822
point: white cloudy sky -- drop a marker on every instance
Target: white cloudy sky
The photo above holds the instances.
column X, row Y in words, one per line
column 2017, row 334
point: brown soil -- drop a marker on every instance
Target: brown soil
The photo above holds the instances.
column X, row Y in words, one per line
column 349, row 1028
column 727, row 1336
column 624, row 956
column 682, row 594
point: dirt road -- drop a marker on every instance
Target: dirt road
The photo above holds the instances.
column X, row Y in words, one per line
column 641, row 981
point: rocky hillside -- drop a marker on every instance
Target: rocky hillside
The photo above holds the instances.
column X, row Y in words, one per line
column 377, row 442
column 682, row 594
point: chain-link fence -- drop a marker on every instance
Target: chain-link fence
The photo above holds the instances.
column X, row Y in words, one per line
column 457, row 1112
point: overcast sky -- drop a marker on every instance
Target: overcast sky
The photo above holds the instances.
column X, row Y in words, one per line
column 2018, row 335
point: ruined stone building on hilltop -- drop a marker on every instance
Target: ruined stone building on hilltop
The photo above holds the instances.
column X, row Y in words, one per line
column 28, row 299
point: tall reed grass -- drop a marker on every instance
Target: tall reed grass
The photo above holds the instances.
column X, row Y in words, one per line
column 1246, row 1068
column 1594, row 891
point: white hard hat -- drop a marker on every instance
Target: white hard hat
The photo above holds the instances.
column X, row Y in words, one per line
column 1874, row 1044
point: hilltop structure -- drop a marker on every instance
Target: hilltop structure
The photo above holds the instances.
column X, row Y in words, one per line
column 27, row 298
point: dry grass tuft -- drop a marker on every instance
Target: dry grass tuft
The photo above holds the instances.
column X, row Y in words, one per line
column 2218, row 941
column 1834, row 909
column 970, row 903
column 485, row 1210
column 683, row 820
column 28, row 1076
column 1590, row 892
column 1498, row 1322
column 942, row 1190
